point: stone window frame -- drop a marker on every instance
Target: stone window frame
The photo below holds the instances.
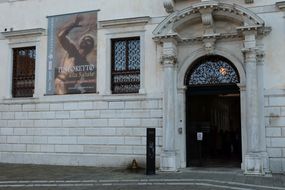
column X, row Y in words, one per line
column 23, row 69
column 23, row 39
column 121, row 28
column 139, row 34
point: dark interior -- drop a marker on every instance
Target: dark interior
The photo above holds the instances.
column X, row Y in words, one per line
column 215, row 112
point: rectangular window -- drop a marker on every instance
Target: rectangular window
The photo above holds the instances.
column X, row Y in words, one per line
column 125, row 65
column 23, row 72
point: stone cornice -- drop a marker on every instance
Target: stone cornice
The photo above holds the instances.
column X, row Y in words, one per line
column 261, row 30
column 264, row 31
column 21, row 33
column 124, row 22
column 216, row 36
column 205, row 5
column 281, row 5
column 9, row 1
column 248, row 28
column 162, row 38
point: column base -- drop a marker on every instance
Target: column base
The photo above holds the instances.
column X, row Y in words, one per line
column 168, row 161
column 265, row 158
column 254, row 164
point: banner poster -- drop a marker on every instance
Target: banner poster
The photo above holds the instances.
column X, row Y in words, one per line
column 72, row 53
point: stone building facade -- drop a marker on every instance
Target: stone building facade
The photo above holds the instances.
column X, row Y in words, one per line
column 183, row 51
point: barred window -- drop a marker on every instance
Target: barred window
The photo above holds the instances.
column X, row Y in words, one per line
column 23, row 71
column 125, row 65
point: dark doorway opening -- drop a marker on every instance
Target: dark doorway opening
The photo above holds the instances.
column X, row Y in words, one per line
column 213, row 126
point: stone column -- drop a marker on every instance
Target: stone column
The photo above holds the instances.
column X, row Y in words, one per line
column 181, row 125
column 260, row 82
column 168, row 156
column 253, row 160
column 242, row 88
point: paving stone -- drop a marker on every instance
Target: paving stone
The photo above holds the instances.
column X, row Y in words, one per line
column 68, row 177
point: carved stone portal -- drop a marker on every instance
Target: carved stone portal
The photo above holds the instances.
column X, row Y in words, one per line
column 202, row 24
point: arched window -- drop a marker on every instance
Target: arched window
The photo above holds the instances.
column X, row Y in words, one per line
column 211, row 70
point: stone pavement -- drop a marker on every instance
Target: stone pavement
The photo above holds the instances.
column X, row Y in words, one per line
column 27, row 177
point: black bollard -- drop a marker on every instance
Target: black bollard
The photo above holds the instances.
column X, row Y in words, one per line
column 150, row 151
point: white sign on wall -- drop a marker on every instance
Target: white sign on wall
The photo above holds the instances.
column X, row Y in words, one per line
column 199, row 136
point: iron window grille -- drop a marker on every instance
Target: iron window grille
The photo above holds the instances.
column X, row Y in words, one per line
column 23, row 71
column 211, row 71
column 125, row 65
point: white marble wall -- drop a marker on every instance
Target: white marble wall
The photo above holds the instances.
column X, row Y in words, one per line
column 109, row 132
column 275, row 129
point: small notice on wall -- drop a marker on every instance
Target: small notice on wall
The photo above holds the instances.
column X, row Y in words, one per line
column 199, row 136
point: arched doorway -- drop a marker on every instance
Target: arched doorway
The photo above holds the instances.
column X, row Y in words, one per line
column 213, row 120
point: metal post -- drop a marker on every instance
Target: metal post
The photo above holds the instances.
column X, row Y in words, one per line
column 150, row 151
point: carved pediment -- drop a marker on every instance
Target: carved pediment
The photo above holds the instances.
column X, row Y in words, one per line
column 208, row 18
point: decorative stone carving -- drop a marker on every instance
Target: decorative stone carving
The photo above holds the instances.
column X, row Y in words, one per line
column 237, row 13
column 169, row 6
column 207, row 19
column 209, row 45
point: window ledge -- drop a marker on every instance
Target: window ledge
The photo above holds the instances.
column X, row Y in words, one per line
column 124, row 22
column 20, row 100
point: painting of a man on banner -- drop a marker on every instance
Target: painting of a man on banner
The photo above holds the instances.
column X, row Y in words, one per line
column 72, row 53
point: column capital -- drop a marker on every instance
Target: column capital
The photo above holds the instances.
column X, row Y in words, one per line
column 249, row 54
column 256, row 54
column 241, row 86
column 249, row 50
column 168, row 60
column 181, row 90
column 169, row 54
